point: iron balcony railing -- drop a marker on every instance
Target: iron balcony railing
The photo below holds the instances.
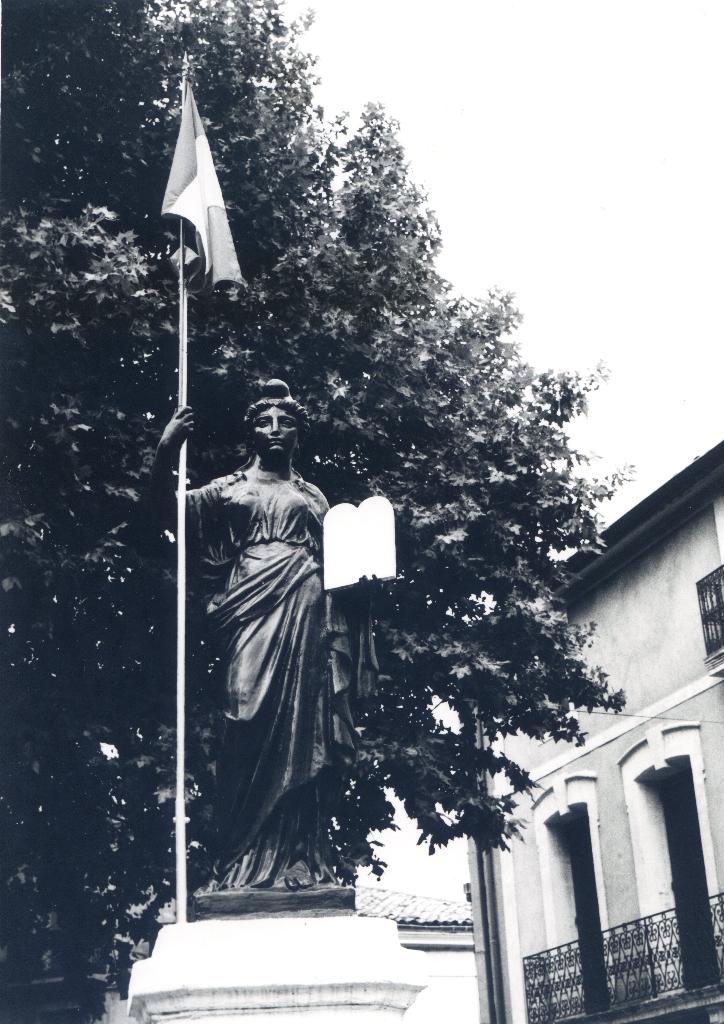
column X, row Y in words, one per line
column 554, row 984
column 640, row 960
column 711, row 604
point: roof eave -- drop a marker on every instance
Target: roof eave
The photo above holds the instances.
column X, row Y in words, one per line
column 677, row 501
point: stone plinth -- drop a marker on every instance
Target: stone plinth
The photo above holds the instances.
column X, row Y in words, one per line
column 319, row 901
column 295, row 970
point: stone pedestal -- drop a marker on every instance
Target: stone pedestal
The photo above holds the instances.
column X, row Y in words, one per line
column 296, row 970
column 319, row 901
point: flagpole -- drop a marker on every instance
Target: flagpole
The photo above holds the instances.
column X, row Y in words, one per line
column 218, row 262
column 180, row 805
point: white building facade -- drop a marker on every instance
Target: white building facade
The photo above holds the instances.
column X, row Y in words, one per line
column 612, row 905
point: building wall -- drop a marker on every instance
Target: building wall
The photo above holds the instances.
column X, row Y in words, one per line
column 614, row 826
column 649, row 640
column 648, row 628
column 452, row 990
column 524, row 898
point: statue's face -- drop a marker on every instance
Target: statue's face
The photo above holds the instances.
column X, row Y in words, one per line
column 275, row 433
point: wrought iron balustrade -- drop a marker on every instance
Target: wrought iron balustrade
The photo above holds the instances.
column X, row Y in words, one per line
column 711, row 605
column 642, row 960
column 554, row 984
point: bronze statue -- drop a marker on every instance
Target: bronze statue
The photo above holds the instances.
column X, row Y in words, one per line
column 291, row 653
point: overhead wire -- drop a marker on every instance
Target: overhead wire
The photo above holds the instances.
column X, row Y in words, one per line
column 663, row 718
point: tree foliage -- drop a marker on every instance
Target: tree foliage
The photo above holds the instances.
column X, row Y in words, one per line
column 413, row 393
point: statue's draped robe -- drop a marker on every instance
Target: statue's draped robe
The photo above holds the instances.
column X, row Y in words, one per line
column 290, row 658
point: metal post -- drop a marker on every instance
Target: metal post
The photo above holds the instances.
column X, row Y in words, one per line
column 180, row 804
column 496, row 953
column 481, row 935
column 486, row 932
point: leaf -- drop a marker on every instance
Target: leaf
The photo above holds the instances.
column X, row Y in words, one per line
column 454, row 537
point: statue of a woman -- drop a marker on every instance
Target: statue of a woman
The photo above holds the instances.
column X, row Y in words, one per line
column 289, row 654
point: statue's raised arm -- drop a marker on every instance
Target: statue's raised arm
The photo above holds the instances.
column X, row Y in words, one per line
column 162, row 495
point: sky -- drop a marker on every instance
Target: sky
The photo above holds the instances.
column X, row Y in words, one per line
column 573, row 152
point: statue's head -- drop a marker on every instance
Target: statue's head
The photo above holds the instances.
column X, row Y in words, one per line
column 275, row 411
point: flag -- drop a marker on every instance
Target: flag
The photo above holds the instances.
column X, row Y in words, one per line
column 193, row 192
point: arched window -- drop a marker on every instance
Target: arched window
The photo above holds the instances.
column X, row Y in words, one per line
column 663, row 777
column 566, row 827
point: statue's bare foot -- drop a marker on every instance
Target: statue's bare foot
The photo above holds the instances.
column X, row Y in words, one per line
column 298, row 876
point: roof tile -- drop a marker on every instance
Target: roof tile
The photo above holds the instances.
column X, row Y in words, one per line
column 404, row 908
